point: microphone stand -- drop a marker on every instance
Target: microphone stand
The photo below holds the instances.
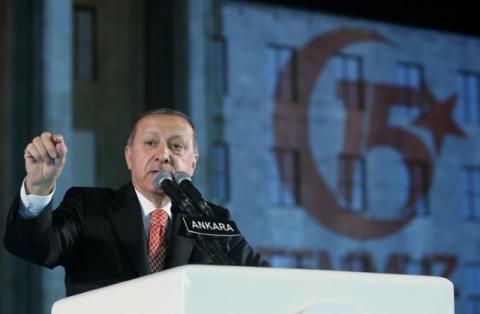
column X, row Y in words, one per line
column 184, row 181
column 163, row 180
column 209, row 246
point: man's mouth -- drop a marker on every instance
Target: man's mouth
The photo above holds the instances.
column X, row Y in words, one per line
column 170, row 170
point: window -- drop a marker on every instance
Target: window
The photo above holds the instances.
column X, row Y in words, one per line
column 220, row 173
column 282, row 59
column 352, row 181
column 410, row 76
column 472, row 288
column 468, row 101
column 84, row 43
column 348, row 70
column 471, row 190
column 219, row 73
column 284, row 178
column 418, row 200
column 473, row 305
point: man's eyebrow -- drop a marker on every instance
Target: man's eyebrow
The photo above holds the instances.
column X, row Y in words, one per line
column 177, row 136
column 150, row 133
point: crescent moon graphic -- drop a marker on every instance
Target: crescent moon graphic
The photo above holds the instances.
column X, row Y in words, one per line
column 291, row 130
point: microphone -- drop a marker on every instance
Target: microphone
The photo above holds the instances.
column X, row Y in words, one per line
column 192, row 226
column 184, row 180
column 164, row 182
column 208, row 225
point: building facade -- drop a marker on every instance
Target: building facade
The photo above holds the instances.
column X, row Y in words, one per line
column 346, row 144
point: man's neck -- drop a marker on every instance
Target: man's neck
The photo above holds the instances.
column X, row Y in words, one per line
column 158, row 201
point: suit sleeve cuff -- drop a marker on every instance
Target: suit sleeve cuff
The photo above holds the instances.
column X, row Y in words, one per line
column 32, row 205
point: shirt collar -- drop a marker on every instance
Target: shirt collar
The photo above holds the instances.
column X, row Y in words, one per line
column 148, row 207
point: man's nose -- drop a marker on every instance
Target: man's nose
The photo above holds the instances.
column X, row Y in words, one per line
column 162, row 153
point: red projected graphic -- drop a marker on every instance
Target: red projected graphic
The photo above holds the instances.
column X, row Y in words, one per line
column 292, row 130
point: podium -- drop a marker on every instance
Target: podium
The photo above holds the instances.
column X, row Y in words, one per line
column 204, row 289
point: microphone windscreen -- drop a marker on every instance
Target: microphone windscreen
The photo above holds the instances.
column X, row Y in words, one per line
column 160, row 177
column 182, row 175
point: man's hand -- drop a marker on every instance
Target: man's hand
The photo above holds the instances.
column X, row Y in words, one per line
column 44, row 160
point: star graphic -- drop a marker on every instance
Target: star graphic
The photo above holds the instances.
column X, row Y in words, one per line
column 438, row 119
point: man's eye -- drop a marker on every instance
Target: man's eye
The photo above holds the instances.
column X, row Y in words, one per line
column 177, row 146
column 150, row 143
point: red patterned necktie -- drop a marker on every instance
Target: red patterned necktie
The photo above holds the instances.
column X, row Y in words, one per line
column 157, row 240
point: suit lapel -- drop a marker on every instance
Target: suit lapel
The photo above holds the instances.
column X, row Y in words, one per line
column 179, row 247
column 127, row 220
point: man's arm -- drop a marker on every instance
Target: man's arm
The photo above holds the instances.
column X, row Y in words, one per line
column 48, row 238
column 29, row 220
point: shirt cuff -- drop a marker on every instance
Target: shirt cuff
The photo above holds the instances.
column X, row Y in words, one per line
column 32, row 205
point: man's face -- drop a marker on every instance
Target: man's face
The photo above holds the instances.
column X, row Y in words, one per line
column 161, row 142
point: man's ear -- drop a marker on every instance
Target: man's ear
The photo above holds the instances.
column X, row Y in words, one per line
column 128, row 157
column 194, row 162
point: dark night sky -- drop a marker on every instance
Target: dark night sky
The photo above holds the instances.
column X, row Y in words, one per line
column 453, row 16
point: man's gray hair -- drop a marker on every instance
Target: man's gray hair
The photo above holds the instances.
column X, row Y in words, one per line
column 163, row 111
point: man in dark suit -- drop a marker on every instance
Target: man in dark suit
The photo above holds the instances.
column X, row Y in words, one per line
column 103, row 236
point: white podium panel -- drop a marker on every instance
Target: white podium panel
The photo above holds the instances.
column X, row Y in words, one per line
column 250, row 290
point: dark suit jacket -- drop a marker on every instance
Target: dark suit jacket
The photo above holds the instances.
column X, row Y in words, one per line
column 97, row 235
